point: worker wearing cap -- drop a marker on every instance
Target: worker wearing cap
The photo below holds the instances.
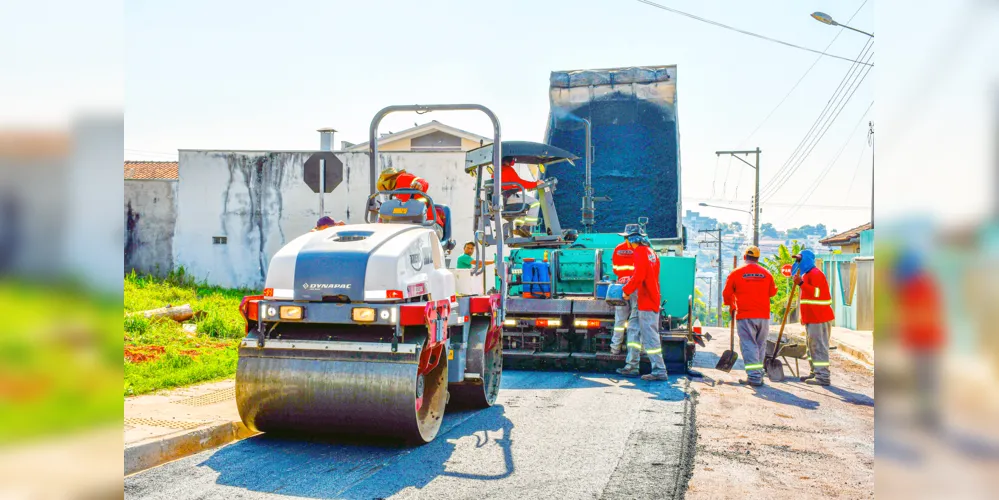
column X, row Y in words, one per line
column 747, row 294
column 392, row 179
column 325, row 222
column 816, row 314
column 643, row 325
column 623, row 262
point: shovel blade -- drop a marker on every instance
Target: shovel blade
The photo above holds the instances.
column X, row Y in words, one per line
column 727, row 361
column 775, row 369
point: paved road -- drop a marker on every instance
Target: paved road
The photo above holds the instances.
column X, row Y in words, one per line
column 551, row 435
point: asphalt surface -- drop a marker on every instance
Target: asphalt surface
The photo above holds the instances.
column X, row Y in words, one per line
column 550, row 435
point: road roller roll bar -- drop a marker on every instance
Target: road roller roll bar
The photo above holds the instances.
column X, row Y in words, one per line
column 497, row 175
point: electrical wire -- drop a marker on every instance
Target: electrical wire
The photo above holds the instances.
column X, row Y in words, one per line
column 750, row 33
column 817, row 124
column 818, row 181
column 807, row 71
column 810, row 141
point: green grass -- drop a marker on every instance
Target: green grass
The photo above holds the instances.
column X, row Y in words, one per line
column 177, row 357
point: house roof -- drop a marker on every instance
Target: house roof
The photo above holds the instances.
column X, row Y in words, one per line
column 151, row 170
column 421, row 130
column 846, row 237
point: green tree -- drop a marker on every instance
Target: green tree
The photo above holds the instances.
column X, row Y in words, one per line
column 701, row 309
column 768, row 230
column 773, row 264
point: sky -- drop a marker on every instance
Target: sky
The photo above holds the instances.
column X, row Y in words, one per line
column 265, row 75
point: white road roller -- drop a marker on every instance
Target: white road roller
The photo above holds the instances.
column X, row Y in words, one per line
column 361, row 329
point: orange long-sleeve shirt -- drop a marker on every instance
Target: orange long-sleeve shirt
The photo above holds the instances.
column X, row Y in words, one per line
column 748, row 290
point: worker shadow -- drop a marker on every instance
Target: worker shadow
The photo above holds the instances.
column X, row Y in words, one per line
column 352, row 467
column 770, row 392
column 851, row 397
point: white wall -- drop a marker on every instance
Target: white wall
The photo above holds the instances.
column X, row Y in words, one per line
column 150, row 220
column 259, row 201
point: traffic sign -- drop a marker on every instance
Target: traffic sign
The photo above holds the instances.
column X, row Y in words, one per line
column 786, row 270
column 333, row 171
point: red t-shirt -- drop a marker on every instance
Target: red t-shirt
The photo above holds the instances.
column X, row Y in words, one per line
column 645, row 280
column 623, row 261
column 748, row 290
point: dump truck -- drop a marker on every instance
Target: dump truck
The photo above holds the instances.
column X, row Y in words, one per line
column 361, row 329
column 618, row 131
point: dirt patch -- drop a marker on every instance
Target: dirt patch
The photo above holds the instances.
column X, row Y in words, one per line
column 143, row 353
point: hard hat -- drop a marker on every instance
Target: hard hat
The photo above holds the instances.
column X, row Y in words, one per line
column 325, row 221
column 386, row 176
column 753, row 251
column 632, row 230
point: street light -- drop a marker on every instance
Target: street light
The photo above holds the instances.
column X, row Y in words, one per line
column 824, row 18
column 726, row 208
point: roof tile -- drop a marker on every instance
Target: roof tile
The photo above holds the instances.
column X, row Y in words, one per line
column 151, row 170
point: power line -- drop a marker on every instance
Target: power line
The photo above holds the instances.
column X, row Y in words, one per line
column 817, row 124
column 807, row 71
column 818, row 181
column 811, row 141
column 750, row 33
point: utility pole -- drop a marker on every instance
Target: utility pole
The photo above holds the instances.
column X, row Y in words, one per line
column 719, row 295
column 709, row 279
column 870, row 139
column 756, row 197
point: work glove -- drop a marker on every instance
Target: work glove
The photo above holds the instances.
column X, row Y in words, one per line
column 798, row 280
column 415, row 184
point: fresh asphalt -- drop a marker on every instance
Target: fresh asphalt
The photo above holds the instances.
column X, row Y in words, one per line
column 550, row 435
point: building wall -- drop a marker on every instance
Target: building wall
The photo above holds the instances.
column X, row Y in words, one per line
column 397, row 145
column 258, row 201
column 150, row 219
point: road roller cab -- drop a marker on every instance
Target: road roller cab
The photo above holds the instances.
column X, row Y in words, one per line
column 361, row 329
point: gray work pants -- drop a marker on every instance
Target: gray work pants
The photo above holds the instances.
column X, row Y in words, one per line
column 531, row 219
column 621, row 315
column 818, row 348
column 753, row 343
column 645, row 336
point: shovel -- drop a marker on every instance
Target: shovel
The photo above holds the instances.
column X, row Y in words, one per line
column 729, row 357
column 772, row 365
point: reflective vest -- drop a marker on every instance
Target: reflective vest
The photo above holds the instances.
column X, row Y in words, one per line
column 623, row 261
column 816, row 301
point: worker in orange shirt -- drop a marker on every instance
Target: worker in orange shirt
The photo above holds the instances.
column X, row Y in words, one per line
column 816, row 315
column 643, row 325
column 623, row 262
column 523, row 226
column 392, row 179
column 747, row 294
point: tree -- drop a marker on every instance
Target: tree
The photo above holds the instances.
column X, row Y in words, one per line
column 736, row 226
column 773, row 264
column 768, row 230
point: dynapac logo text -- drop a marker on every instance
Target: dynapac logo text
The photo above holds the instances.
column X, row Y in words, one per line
column 325, row 286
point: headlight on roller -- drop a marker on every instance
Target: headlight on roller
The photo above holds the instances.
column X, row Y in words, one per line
column 363, row 314
column 291, row 312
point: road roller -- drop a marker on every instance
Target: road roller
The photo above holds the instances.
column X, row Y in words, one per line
column 362, row 330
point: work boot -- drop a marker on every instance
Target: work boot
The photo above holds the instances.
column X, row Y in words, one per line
column 751, row 382
column 615, row 349
column 807, row 377
column 624, row 372
column 815, row 381
column 653, row 377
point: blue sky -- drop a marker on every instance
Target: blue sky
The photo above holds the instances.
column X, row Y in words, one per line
column 265, row 75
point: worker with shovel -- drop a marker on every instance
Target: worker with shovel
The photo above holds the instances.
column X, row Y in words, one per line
column 747, row 294
column 816, row 314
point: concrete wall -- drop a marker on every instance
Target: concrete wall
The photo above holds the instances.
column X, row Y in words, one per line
column 150, row 219
column 258, row 201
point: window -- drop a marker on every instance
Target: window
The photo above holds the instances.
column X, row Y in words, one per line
column 219, row 240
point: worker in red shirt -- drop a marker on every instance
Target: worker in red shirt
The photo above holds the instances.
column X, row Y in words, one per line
column 816, row 315
column 747, row 294
column 392, row 179
column 524, row 225
column 645, row 284
column 623, row 262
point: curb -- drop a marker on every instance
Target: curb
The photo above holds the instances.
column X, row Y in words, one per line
column 158, row 451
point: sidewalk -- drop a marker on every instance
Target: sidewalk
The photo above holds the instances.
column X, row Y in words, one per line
column 856, row 343
column 171, row 424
